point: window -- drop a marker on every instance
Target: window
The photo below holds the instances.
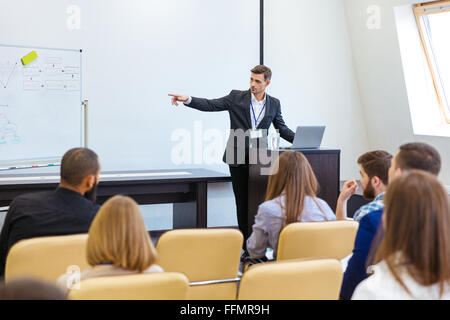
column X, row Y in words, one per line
column 433, row 21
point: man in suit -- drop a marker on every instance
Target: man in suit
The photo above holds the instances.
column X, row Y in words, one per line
column 252, row 112
column 69, row 209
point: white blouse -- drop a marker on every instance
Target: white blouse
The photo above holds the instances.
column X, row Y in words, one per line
column 381, row 285
column 270, row 218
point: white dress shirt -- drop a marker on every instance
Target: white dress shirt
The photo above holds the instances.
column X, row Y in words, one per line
column 258, row 109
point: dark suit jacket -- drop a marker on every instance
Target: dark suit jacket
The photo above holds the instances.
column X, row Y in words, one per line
column 237, row 103
column 47, row 213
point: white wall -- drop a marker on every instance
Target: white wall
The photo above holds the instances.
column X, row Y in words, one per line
column 127, row 75
column 136, row 52
column 382, row 85
column 308, row 48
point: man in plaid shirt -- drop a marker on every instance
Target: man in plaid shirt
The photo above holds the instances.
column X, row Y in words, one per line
column 374, row 168
column 375, row 205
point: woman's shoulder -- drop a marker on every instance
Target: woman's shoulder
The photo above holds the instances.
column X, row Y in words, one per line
column 272, row 206
column 317, row 209
column 319, row 200
column 383, row 285
column 154, row 268
column 376, row 286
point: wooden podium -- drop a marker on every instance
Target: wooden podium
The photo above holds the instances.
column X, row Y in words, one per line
column 325, row 164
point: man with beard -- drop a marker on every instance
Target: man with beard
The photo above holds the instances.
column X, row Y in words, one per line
column 69, row 209
column 374, row 168
column 415, row 155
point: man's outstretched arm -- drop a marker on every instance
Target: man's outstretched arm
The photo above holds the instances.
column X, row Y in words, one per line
column 202, row 104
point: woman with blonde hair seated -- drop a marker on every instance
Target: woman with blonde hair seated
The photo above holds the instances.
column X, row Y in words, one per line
column 290, row 197
column 118, row 243
column 413, row 260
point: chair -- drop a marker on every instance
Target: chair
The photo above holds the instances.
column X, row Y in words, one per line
column 355, row 202
column 46, row 258
column 316, row 279
column 150, row 286
column 208, row 257
column 329, row 239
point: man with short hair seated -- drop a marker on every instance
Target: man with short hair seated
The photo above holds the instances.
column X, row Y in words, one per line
column 69, row 209
column 373, row 167
column 416, row 155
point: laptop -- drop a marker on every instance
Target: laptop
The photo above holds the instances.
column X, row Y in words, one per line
column 308, row 137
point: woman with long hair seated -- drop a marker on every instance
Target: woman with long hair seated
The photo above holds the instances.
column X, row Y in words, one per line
column 118, row 243
column 413, row 259
column 290, row 197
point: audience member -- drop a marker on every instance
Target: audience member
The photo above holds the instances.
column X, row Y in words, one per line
column 290, row 197
column 410, row 156
column 118, row 243
column 30, row 289
column 374, row 168
column 413, row 257
column 69, row 209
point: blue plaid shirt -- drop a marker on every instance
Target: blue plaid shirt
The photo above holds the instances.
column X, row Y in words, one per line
column 375, row 205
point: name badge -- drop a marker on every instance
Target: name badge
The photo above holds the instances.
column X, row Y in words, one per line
column 255, row 134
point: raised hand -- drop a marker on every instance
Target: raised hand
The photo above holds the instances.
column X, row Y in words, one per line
column 348, row 189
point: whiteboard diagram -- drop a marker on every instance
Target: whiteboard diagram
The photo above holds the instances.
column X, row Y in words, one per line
column 8, row 130
column 40, row 103
column 7, row 69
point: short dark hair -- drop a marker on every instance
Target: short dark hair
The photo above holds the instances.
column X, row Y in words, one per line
column 376, row 164
column 77, row 164
column 418, row 155
column 263, row 70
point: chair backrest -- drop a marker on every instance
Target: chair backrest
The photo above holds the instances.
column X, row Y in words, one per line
column 203, row 255
column 46, row 258
column 317, row 279
column 150, row 286
column 329, row 239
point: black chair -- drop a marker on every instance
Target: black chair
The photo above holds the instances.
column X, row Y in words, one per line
column 355, row 202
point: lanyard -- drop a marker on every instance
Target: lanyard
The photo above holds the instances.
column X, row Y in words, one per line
column 254, row 116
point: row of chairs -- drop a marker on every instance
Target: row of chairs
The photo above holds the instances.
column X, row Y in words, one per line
column 316, row 279
column 204, row 263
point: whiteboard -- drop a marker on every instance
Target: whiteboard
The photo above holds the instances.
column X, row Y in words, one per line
column 134, row 53
column 40, row 104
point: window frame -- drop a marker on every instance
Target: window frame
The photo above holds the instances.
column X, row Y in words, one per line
column 425, row 9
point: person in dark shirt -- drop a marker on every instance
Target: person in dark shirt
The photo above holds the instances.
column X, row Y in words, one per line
column 69, row 209
column 28, row 288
